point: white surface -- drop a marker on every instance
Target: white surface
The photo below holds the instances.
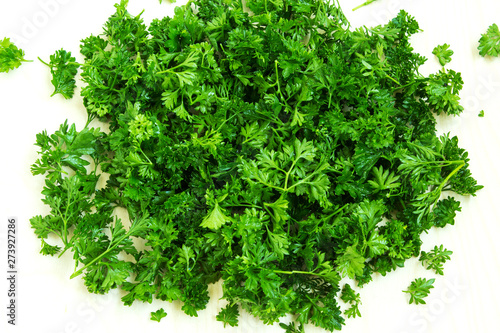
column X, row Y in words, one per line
column 465, row 299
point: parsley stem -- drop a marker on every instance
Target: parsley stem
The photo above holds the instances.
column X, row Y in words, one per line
column 451, row 174
column 293, row 272
column 43, row 62
column 393, row 79
column 111, row 247
column 278, row 82
column 68, row 63
column 363, row 4
column 409, row 84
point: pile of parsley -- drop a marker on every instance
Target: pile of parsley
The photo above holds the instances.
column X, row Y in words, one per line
column 270, row 146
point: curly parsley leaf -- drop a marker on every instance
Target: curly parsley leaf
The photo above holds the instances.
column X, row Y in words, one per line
column 11, row 57
column 63, row 69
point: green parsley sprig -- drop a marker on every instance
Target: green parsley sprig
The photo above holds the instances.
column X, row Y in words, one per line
column 11, row 57
column 419, row 289
column 489, row 43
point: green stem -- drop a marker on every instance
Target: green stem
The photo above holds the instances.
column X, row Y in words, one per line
column 69, row 63
column 363, row 4
column 293, row 272
column 110, row 248
column 451, row 174
column 393, row 79
column 409, row 84
column 278, row 82
column 335, row 212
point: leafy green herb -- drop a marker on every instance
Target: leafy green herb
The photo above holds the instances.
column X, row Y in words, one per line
column 229, row 315
column 279, row 151
column 63, row 69
column 435, row 258
column 158, row 315
column 418, row 289
column 350, row 296
column 443, row 53
column 481, row 114
column 489, row 43
column 11, row 57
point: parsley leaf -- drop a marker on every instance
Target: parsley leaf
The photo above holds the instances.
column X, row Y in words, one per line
column 350, row 296
column 489, row 43
column 435, row 258
column 418, row 289
column 63, row 69
column 11, row 57
column 158, row 315
column 229, row 315
column 443, row 53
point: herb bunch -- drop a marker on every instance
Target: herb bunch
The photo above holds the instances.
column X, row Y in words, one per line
column 272, row 147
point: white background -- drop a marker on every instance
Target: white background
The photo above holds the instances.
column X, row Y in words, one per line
column 465, row 299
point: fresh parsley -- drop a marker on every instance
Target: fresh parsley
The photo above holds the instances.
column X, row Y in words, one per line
column 435, row 258
column 158, row 315
column 278, row 151
column 349, row 296
column 419, row 289
column 489, row 43
column 443, row 53
column 63, row 69
column 11, row 57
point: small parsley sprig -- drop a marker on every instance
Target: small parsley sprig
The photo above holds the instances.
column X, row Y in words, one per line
column 11, row 57
column 158, row 315
column 489, row 43
column 63, row 69
column 348, row 295
column 435, row 258
column 443, row 53
column 419, row 289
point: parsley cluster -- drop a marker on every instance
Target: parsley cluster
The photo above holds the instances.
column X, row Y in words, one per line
column 270, row 146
